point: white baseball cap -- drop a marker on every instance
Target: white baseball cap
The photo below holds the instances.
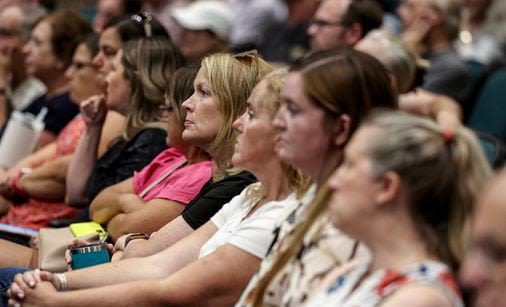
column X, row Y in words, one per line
column 211, row 15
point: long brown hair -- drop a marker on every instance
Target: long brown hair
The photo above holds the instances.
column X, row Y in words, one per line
column 149, row 64
column 338, row 81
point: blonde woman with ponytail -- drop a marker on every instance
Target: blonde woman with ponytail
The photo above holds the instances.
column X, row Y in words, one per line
column 405, row 189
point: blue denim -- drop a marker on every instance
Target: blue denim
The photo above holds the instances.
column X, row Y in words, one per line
column 6, row 277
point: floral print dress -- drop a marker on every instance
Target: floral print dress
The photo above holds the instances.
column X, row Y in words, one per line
column 323, row 248
column 354, row 287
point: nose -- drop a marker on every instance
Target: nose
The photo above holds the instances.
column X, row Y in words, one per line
column 98, row 60
column 333, row 180
column 474, row 272
column 26, row 48
column 279, row 120
column 69, row 72
column 188, row 105
column 238, row 126
column 311, row 30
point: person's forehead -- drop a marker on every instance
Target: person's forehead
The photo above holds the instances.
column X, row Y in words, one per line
column 293, row 83
column 11, row 17
column 259, row 95
column 416, row 2
column 334, row 9
column 82, row 52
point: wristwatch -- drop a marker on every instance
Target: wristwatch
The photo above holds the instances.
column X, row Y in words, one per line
column 135, row 236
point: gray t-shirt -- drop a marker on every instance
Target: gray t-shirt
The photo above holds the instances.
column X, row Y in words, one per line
column 448, row 75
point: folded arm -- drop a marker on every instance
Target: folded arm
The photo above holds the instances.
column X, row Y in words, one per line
column 148, row 218
column 48, row 181
column 106, row 204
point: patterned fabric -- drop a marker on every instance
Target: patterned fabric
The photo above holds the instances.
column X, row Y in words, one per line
column 323, row 248
column 35, row 214
column 354, row 288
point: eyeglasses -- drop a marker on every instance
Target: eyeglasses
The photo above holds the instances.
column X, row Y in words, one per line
column 323, row 23
column 144, row 19
column 80, row 65
column 165, row 110
column 7, row 33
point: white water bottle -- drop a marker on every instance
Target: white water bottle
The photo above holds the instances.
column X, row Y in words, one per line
column 20, row 136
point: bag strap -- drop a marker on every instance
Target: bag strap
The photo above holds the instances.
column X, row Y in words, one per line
column 157, row 181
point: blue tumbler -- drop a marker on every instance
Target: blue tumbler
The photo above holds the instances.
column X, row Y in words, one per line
column 89, row 255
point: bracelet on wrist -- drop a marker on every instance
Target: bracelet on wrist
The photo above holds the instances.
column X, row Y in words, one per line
column 135, row 236
column 63, row 281
column 16, row 187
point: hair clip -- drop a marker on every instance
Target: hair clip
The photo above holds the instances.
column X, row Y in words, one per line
column 144, row 18
column 448, row 135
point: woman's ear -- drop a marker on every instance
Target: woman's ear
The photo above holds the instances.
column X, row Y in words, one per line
column 342, row 130
column 353, row 34
column 389, row 188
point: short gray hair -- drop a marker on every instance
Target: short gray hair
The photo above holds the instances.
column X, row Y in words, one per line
column 397, row 58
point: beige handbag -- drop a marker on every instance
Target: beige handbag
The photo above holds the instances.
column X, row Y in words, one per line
column 52, row 247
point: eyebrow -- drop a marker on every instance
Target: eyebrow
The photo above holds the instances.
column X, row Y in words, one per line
column 200, row 82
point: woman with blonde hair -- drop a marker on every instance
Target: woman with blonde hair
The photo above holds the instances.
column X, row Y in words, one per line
column 386, row 196
column 214, row 81
column 213, row 264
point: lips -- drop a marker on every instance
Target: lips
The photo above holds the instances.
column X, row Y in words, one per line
column 280, row 140
column 188, row 122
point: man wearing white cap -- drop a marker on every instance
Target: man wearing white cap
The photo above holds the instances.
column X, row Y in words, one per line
column 206, row 27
